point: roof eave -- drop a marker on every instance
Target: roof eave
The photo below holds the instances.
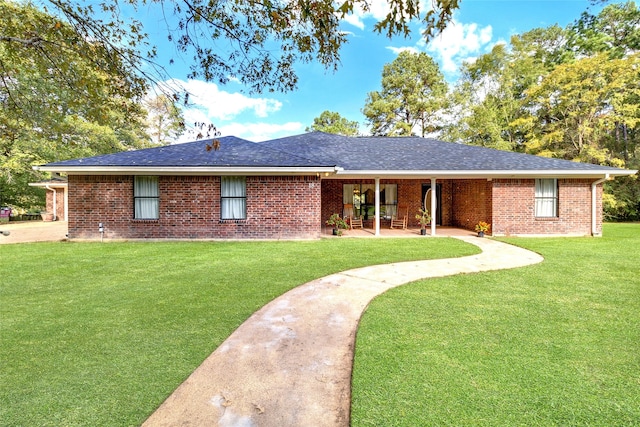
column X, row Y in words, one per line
column 488, row 174
column 49, row 184
column 181, row 170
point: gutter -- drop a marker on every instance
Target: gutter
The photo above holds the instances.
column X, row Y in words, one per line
column 55, row 201
column 594, row 185
column 484, row 174
column 179, row 170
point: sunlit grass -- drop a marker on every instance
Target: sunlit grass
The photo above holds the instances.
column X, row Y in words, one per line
column 557, row 343
column 100, row 334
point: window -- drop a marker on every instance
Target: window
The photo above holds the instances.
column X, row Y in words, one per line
column 233, row 194
column 362, row 197
column 146, row 197
column 546, row 198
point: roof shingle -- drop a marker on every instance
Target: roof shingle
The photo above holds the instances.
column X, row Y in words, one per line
column 318, row 149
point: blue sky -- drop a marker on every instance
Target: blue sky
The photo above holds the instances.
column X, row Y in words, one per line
column 477, row 27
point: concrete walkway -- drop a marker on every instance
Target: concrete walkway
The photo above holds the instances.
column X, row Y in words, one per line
column 290, row 363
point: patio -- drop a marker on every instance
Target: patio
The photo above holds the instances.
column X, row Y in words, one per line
column 441, row 231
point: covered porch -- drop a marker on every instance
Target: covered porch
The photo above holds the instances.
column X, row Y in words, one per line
column 453, row 203
column 413, row 232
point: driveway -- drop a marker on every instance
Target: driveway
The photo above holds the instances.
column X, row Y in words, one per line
column 33, row 231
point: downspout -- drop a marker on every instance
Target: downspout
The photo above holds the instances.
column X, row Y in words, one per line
column 55, row 197
column 594, row 186
column 66, row 203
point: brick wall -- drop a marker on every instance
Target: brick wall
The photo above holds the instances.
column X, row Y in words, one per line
column 59, row 196
column 514, row 208
column 471, row 202
column 297, row 207
column 277, row 207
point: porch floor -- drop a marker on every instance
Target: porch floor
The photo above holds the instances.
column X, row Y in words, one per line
column 399, row 233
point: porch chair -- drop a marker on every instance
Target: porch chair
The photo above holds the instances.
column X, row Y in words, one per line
column 399, row 220
column 356, row 222
column 347, row 213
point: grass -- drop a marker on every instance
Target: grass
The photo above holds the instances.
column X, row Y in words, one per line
column 555, row 344
column 100, row 334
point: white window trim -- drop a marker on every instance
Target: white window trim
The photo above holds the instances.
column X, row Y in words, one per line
column 146, row 206
column 546, row 198
column 233, row 198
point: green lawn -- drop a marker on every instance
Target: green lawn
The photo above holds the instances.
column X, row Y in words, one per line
column 99, row 334
column 555, row 344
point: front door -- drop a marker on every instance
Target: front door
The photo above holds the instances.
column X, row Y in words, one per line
column 426, row 201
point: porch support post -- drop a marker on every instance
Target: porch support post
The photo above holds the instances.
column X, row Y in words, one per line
column 434, row 205
column 377, row 207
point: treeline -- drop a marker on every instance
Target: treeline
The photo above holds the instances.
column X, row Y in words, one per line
column 571, row 93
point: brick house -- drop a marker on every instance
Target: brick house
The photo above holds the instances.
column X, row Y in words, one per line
column 286, row 188
column 56, row 197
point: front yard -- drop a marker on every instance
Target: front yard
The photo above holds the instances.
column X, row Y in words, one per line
column 555, row 344
column 100, row 334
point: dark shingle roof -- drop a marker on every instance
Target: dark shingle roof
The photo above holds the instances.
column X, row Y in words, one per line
column 416, row 154
column 322, row 150
column 233, row 152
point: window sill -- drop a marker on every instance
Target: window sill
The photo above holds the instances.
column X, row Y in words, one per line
column 547, row 218
column 147, row 221
column 232, row 221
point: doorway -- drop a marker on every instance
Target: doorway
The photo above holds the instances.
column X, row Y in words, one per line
column 426, row 200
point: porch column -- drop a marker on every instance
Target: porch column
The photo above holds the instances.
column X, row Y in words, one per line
column 434, row 205
column 377, row 207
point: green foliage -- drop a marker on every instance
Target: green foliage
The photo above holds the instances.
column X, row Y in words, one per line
column 55, row 102
column 614, row 31
column 332, row 122
column 571, row 93
column 579, row 102
column 100, row 334
column 165, row 122
column 622, row 197
column 257, row 43
column 490, row 97
column 552, row 344
column 413, row 94
column 423, row 217
column 337, row 223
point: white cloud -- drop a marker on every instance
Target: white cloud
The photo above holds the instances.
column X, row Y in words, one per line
column 355, row 20
column 459, row 42
column 211, row 104
column 378, row 10
column 397, row 50
column 257, row 132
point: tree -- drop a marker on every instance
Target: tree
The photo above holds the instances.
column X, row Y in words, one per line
column 165, row 121
column 490, row 95
column 413, row 93
column 577, row 106
column 615, row 30
column 332, row 122
column 570, row 93
column 56, row 106
column 258, row 43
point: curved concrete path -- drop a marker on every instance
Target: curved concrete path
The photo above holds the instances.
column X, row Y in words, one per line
column 290, row 363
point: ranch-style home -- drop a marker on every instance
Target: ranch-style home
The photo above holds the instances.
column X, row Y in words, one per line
column 287, row 188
